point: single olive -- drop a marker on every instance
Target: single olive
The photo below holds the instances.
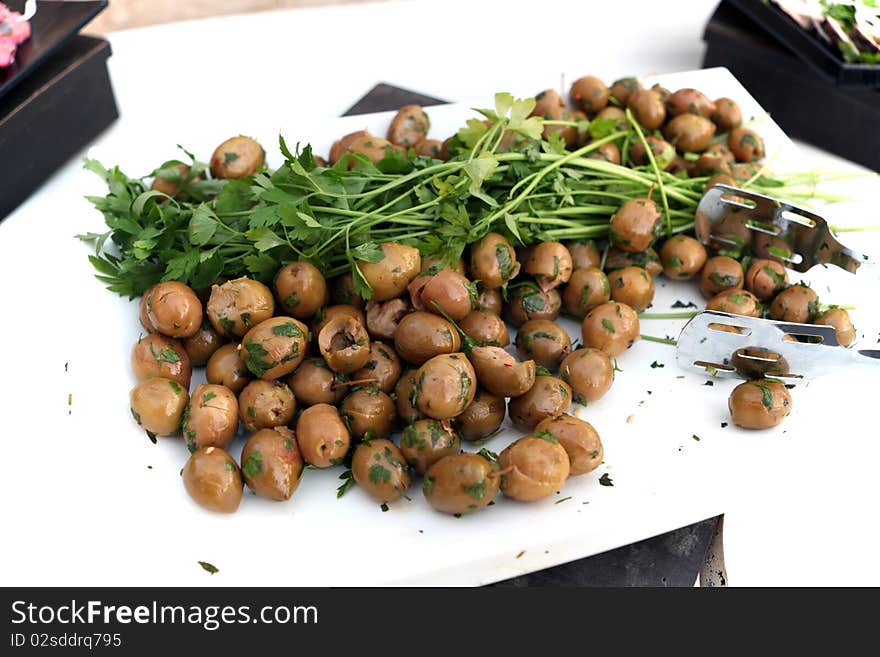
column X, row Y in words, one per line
column 648, row 260
column 758, row 362
column 727, row 115
column 225, row 367
column 766, row 278
column 482, row 418
column 689, row 133
column 446, row 292
column 612, row 327
column 710, row 165
column 579, row 440
column 746, row 144
column 237, row 306
column 535, row 466
column 500, row 373
column 549, row 397
column 633, row 286
column 736, row 301
column 759, row 404
column 445, row 386
column 201, row 346
column 266, row 404
column 342, row 292
column 493, row 261
column 617, row 115
column 434, row 263
column 404, row 393
column 528, row 301
column 344, row 344
column 371, row 147
column 425, row 442
column 607, row 152
column 155, row 355
column 432, row 148
column 489, row 301
column 461, row 483
column 584, row 253
column 157, row 404
column 731, row 234
column 213, row 480
column 369, row 413
column 647, row 108
column 550, row 264
column 720, row 273
column 547, row 99
column 237, row 157
column 485, row 328
column 210, row 418
column 422, row 335
column 340, row 147
column 300, row 289
column 381, row 370
column 772, row 247
column 313, row 382
column 622, row 89
column 173, row 309
column 589, row 94
column 689, row 101
column 409, row 126
column 662, row 150
column 272, row 464
column 589, row 372
column 543, row 341
column 379, row 468
column 325, row 315
column 384, row 317
column 635, row 225
column 169, row 179
column 683, row 257
column 322, row 436
column 389, row 277
column 275, row 347
column 798, row 303
column 838, row 318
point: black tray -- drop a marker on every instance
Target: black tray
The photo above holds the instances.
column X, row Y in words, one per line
column 54, row 23
column 822, row 57
column 842, row 120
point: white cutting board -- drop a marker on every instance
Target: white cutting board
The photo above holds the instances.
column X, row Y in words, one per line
column 82, row 507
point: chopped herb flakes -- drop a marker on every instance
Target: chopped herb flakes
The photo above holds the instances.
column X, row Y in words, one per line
column 211, row 568
column 605, row 480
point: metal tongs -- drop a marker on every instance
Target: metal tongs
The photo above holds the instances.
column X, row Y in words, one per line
column 729, row 219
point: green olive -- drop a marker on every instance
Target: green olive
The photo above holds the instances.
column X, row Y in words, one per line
column 711, row 165
column 589, row 372
column 759, row 404
column 154, row 355
column 210, row 418
column 325, row 315
column 543, row 341
column 482, row 418
column 550, row 263
column 535, row 466
column 461, row 483
column 237, row 157
column 500, row 373
column 549, row 397
column 157, row 404
column 485, row 328
column 405, row 397
column 236, row 306
column 683, row 257
column 647, row 260
column 689, row 133
column 342, row 292
column 322, row 436
column 635, row 225
column 383, row 317
column 633, row 286
column 662, row 150
column 173, row 309
column 547, row 99
column 225, row 367
column 379, row 468
column 432, row 148
column 201, row 346
column 266, row 404
column 766, row 278
column 213, row 480
column 272, row 464
column 607, row 152
column 579, row 440
column 727, row 115
column 528, row 301
column 587, row 288
column 840, row 320
column 589, row 94
column 382, row 369
column 389, row 277
column 344, row 344
column 489, row 301
column 369, row 412
column 720, row 273
column 313, row 382
column 340, row 146
column 409, row 126
column 735, row 301
column 747, row 145
column 612, row 327
column 423, row 335
column 689, row 101
column 425, row 442
column 622, row 89
column 493, row 261
column 647, row 108
column 301, row 289
column 275, row 347
column 445, row 293
column 798, row 303
column 445, row 386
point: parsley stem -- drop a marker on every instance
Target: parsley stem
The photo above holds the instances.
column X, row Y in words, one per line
column 651, row 338
column 687, row 315
column 653, row 161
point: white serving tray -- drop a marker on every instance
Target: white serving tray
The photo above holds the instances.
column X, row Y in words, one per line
column 89, row 500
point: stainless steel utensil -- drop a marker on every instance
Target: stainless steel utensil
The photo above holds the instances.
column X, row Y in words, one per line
column 727, row 345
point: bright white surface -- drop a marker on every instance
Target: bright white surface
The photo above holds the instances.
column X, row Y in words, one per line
column 79, row 503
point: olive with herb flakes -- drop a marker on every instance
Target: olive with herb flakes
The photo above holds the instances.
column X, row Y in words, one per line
column 720, row 273
column 409, row 126
column 275, row 347
column 798, row 303
column 169, row 179
column 635, row 225
column 546, row 100
column 266, row 404
column 534, row 467
column 683, row 257
column 173, row 309
column 584, row 253
column 543, row 341
column 689, row 133
column 272, row 464
column 689, row 101
column 612, row 327
column 838, row 318
column 568, row 133
column 425, row 442
column 485, row 328
column 342, row 292
column 154, row 355
column 461, row 483
column 647, row 108
column 647, row 260
column 579, row 439
column 735, row 301
column 445, row 386
column 325, row 315
column 432, row 148
column 766, row 278
column 623, row 88
column 482, row 417
column 760, row 404
column 493, row 261
column 422, row 335
column 313, row 382
column 527, row 302
column 549, row 397
column 210, row 418
column 727, row 115
column 157, row 404
column 709, row 164
column 301, row 289
column 395, row 270
column 746, row 145
column 382, row 369
column 237, row 306
column 344, row 344
column 589, row 94
column 225, row 367
column 405, row 397
column 369, row 412
column 340, row 146
column 379, row 468
column 371, row 147
column 213, row 480
column 383, row 317
column 500, row 373
column 633, row 286
column 203, row 344
column 550, row 264
column 322, row 436
column 237, row 157
column 445, row 293
column 617, row 116
column 587, row 288
column 662, row 151
column 589, row 373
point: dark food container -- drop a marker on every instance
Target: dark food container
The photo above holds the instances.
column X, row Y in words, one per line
column 841, row 120
column 823, row 57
